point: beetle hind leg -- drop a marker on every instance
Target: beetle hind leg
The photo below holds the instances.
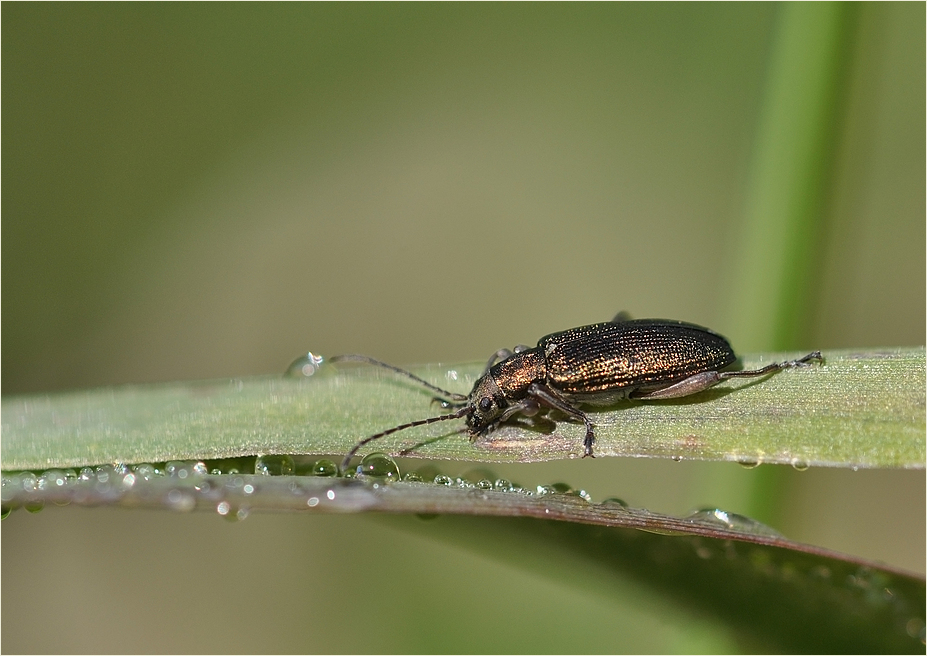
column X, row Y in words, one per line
column 706, row 379
column 775, row 366
column 690, row 385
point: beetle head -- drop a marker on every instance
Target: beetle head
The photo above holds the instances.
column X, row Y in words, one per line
column 486, row 404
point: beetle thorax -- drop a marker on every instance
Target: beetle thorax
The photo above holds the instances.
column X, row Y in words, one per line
column 517, row 373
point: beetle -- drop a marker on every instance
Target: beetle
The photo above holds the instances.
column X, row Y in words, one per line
column 594, row 365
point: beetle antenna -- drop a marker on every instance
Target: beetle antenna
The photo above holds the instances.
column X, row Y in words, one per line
column 378, row 363
column 421, row 422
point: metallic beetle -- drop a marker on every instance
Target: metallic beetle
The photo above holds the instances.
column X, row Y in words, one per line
column 599, row 364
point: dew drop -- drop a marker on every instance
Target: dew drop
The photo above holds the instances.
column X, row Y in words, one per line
column 200, row 469
column 8, row 487
column 380, row 466
column 442, row 479
column 712, row 516
column 582, row 494
column 734, row 522
column 478, row 474
column 799, row 465
column 304, row 366
column 484, row 484
column 145, row 471
column 85, row 475
column 412, row 477
column 34, row 505
column 503, row 485
column 28, row 481
column 615, row 501
column 427, row 473
column 325, row 468
column 563, row 488
column 5, row 511
column 104, row 473
column 274, row 465
column 53, row 479
column 178, row 469
column 749, row 463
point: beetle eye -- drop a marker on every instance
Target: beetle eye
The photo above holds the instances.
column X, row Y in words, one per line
column 485, row 403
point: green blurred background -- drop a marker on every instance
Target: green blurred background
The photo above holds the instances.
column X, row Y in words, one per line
column 202, row 190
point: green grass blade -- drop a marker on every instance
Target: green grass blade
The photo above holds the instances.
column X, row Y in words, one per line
column 739, row 573
column 860, row 409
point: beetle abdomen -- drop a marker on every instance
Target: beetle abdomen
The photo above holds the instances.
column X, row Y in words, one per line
column 643, row 353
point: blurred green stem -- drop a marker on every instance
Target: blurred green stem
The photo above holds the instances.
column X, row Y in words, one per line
column 787, row 192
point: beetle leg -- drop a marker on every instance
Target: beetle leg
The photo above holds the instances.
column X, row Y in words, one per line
column 501, row 354
column 775, row 366
column 527, row 406
column 545, row 396
column 706, row 379
column 685, row 387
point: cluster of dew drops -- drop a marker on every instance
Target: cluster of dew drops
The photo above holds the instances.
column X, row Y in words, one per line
column 30, row 490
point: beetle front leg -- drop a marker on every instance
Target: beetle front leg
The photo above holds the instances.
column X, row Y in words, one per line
column 545, row 396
